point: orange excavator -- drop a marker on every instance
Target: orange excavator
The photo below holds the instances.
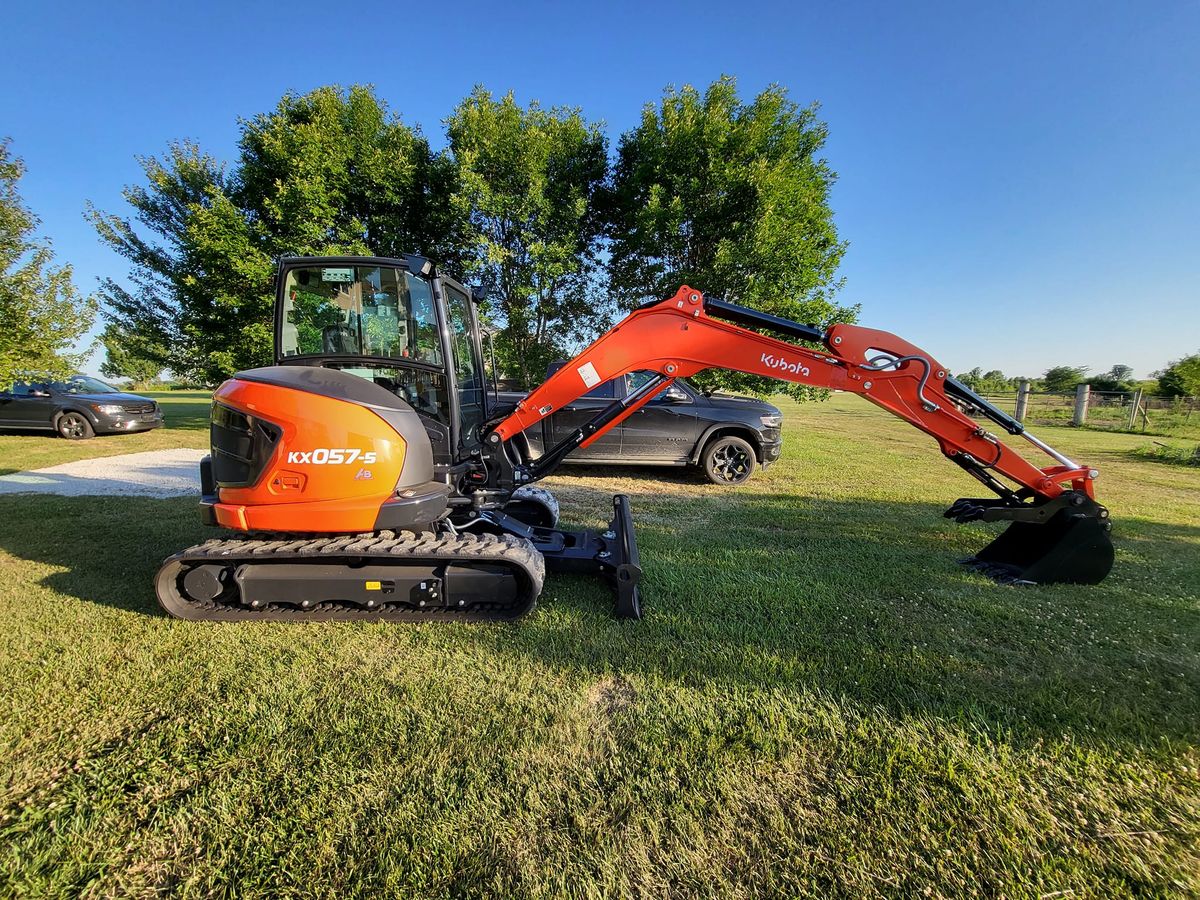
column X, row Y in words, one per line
column 371, row 474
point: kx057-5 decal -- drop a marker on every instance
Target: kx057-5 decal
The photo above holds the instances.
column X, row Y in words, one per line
column 331, row 456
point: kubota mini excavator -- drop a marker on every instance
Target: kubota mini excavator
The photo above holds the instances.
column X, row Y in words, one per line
column 369, row 475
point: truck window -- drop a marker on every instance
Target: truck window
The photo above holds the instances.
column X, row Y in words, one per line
column 606, row 391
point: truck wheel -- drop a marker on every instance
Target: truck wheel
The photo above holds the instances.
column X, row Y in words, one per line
column 74, row 427
column 728, row 460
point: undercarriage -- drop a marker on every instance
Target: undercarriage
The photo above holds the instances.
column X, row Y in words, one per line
column 492, row 570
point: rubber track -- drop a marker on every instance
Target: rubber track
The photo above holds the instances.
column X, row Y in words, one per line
column 376, row 547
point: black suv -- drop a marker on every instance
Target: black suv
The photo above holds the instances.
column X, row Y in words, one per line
column 725, row 436
column 76, row 408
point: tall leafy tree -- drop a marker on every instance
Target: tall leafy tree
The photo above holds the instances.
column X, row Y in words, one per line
column 42, row 315
column 993, row 382
column 733, row 199
column 1121, row 373
column 1181, row 378
column 123, row 359
column 1118, row 378
column 1061, row 379
column 528, row 179
column 331, row 171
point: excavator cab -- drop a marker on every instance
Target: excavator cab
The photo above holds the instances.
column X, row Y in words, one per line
column 396, row 323
column 357, row 472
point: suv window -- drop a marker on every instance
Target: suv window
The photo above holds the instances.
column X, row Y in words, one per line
column 25, row 389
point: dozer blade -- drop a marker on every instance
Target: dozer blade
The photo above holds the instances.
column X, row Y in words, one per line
column 1063, row 542
column 612, row 553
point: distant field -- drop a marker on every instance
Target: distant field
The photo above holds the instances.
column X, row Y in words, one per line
column 1164, row 418
column 819, row 702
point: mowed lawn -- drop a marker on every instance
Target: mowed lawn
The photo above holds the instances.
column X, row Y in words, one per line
column 818, row 702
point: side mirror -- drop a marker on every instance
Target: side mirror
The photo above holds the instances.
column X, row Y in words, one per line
column 37, row 393
column 674, row 395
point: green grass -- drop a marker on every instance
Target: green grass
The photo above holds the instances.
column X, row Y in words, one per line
column 819, row 702
column 1173, row 454
column 1170, row 418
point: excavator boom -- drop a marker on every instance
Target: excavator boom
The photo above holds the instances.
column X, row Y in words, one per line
column 1058, row 533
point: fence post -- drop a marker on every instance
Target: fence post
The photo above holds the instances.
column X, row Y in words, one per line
column 1083, row 395
column 1134, row 407
column 1022, row 400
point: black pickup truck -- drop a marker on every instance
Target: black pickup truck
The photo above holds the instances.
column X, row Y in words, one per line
column 726, row 437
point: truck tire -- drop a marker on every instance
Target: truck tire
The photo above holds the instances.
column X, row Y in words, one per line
column 728, row 460
column 74, row 426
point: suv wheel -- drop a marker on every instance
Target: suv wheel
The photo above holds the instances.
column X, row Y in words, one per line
column 728, row 460
column 74, row 427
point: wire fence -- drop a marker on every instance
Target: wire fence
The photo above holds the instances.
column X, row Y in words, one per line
column 1130, row 411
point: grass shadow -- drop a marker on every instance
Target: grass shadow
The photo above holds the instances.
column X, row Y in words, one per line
column 864, row 599
column 751, row 591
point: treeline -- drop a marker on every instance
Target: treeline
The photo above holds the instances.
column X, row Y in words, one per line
column 560, row 230
column 42, row 315
column 1180, row 378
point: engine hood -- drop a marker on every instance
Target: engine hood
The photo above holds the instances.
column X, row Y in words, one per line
column 734, row 401
column 115, row 399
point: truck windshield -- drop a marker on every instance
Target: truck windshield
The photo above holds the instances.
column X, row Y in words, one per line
column 377, row 311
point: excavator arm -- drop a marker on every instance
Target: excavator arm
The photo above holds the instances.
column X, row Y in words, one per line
column 1058, row 533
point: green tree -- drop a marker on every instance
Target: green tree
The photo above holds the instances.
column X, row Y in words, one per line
column 331, row 171
column 1118, row 378
column 731, row 198
column 1181, row 378
column 123, row 358
column 527, row 181
column 1061, row 379
column 993, row 382
column 42, row 315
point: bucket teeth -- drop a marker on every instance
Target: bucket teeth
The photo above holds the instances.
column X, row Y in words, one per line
column 1060, row 541
column 965, row 510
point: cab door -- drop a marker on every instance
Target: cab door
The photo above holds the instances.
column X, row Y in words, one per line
column 465, row 354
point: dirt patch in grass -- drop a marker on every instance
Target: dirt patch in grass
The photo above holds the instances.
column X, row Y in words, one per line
column 611, row 695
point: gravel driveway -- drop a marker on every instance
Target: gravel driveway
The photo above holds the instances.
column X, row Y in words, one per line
column 154, row 473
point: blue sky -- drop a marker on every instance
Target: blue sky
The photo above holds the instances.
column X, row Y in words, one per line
column 1019, row 182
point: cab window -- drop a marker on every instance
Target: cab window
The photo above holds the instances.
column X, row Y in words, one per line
column 378, row 311
column 467, row 370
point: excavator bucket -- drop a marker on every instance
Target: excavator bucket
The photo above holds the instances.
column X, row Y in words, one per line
column 1065, row 541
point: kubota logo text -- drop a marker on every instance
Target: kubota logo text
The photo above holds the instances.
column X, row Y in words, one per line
column 778, row 362
column 331, row 456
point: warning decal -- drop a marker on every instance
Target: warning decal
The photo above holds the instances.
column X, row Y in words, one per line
column 588, row 373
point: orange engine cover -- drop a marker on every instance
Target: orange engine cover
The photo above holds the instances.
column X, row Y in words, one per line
column 288, row 459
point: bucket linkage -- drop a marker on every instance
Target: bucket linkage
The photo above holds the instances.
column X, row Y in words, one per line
column 1060, row 541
